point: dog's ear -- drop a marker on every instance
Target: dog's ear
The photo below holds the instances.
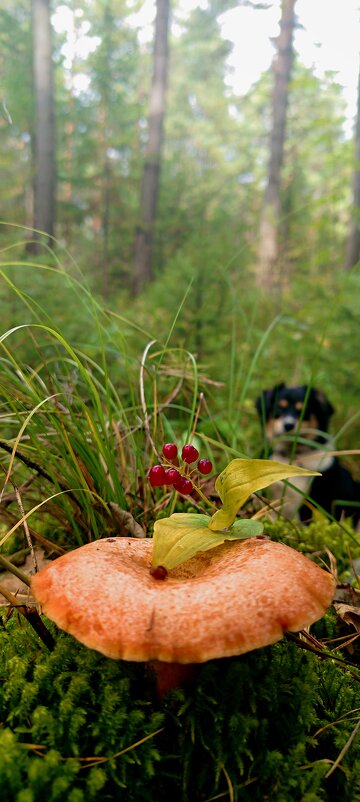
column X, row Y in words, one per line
column 327, row 409
column 266, row 401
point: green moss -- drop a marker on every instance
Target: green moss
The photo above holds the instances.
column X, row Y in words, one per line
column 246, row 729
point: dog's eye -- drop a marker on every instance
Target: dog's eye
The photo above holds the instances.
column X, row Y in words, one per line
column 298, row 406
column 283, row 403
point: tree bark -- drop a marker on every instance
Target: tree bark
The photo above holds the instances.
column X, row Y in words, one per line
column 268, row 267
column 353, row 243
column 144, row 238
column 44, row 177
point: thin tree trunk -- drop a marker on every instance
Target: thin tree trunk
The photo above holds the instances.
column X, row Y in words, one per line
column 105, row 227
column 144, row 238
column 44, row 181
column 353, row 243
column 269, row 248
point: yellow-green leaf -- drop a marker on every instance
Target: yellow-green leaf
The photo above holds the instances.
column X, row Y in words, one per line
column 241, row 478
column 177, row 538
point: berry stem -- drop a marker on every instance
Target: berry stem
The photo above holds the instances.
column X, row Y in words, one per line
column 202, row 495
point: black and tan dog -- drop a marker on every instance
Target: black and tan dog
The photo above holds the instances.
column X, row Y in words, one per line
column 295, row 423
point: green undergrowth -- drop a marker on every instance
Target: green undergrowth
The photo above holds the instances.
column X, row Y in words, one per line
column 276, row 724
column 76, row 444
column 88, row 394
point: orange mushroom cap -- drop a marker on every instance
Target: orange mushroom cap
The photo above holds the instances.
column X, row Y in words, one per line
column 237, row 597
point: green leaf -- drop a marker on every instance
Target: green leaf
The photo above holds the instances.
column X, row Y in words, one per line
column 241, row 478
column 243, row 528
column 179, row 537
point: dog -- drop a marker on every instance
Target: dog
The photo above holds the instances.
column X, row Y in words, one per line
column 295, row 423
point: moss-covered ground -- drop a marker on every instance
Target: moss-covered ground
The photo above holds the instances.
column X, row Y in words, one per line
column 278, row 724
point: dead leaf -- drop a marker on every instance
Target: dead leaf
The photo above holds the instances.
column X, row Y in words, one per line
column 126, row 521
column 349, row 614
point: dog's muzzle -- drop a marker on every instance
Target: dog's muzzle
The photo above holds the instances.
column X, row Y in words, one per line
column 289, row 424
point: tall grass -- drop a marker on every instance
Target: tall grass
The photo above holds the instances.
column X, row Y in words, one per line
column 82, row 420
column 88, row 395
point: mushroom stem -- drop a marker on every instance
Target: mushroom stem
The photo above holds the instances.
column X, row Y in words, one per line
column 172, row 675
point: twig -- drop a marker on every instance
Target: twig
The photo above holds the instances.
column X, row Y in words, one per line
column 26, row 527
column 32, row 616
column 35, row 467
column 238, row 787
column 325, row 655
column 339, row 720
column 95, row 761
column 8, row 498
column 9, row 566
column 49, row 545
column 343, row 751
column 230, row 787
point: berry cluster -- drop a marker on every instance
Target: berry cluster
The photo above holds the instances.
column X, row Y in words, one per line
column 160, row 475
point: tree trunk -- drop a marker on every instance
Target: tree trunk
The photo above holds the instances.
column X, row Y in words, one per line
column 144, row 238
column 353, row 243
column 44, row 179
column 268, row 267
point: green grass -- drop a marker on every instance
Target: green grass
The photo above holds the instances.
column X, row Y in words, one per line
column 88, row 395
column 81, row 423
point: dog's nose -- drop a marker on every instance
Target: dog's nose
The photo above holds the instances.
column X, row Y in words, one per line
column 289, row 425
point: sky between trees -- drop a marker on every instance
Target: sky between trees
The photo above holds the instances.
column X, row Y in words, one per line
column 326, row 39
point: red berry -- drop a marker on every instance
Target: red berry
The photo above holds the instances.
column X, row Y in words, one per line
column 170, row 451
column 189, row 453
column 158, row 572
column 171, row 476
column 184, row 486
column 204, row 466
column 157, row 476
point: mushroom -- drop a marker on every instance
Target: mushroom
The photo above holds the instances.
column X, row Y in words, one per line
column 239, row 596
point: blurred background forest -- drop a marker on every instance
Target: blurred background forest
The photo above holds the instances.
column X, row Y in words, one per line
column 136, row 181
